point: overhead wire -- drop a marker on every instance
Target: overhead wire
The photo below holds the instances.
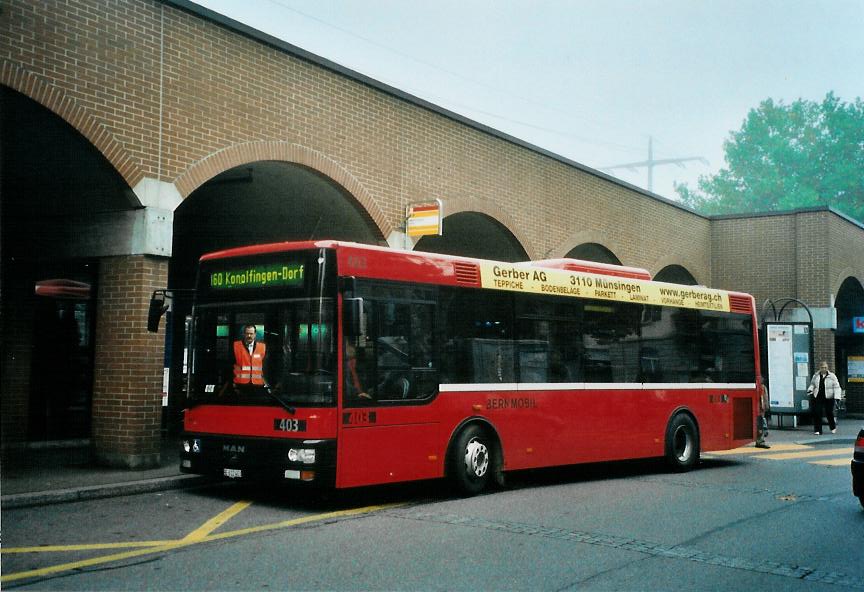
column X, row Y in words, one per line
column 567, row 134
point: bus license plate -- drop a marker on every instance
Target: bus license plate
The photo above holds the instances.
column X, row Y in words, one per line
column 232, row 473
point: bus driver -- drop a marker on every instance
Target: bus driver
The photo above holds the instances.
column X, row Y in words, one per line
column 249, row 359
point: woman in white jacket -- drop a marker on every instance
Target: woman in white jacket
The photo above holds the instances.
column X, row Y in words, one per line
column 824, row 388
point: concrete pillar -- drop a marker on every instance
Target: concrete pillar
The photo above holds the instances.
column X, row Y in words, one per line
column 127, row 390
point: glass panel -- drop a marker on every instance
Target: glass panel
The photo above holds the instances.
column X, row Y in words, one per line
column 671, row 348
column 549, row 341
column 479, row 347
column 247, row 353
column 611, row 341
column 727, row 347
column 61, row 371
column 394, row 360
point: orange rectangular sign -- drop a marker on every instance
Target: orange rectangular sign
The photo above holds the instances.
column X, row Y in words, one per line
column 424, row 219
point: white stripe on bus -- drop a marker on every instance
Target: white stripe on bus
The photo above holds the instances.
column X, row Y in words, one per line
column 494, row 386
column 593, row 386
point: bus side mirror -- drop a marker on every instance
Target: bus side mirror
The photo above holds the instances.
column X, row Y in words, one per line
column 157, row 309
column 355, row 321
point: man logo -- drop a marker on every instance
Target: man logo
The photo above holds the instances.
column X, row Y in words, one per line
column 233, row 448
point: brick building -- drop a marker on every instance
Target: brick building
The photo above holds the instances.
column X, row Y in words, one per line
column 138, row 134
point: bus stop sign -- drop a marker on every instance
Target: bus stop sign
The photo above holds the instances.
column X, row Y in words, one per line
column 788, row 354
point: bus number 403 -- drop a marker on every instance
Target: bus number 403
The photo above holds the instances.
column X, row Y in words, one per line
column 289, row 425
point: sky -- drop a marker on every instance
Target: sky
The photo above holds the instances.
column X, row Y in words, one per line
column 593, row 81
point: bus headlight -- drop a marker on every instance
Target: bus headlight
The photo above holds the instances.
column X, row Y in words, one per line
column 303, row 455
column 192, row 445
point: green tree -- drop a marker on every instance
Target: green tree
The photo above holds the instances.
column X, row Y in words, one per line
column 789, row 156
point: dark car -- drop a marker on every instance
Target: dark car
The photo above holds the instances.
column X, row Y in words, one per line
column 858, row 468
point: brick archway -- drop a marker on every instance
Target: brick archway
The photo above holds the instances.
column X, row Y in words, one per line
column 58, row 102
column 496, row 212
column 667, row 260
column 580, row 238
column 240, row 154
column 841, row 278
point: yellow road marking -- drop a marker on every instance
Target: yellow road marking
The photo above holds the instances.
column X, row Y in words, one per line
column 205, row 529
column 836, row 462
column 87, row 547
column 809, row 454
column 197, row 534
column 45, row 571
column 186, row 542
column 298, row 521
column 753, row 450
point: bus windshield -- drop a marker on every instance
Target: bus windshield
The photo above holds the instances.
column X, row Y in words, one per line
column 280, row 352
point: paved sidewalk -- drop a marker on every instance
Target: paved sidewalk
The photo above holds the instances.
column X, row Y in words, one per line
column 55, row 481
column 46, row 478
column 847, row 431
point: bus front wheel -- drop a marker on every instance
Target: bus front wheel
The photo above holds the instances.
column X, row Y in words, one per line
column 471, row 461
column 682, row 443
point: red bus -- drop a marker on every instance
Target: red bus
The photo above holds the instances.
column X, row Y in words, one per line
column 347, row 365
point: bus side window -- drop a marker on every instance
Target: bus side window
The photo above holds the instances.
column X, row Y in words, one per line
column 727, row 346
column 611, row 339
column 548, row 340
column 393, row 350
column 479, row 345
column 395, row 359
column 424, row 371
column 670, row 350
column 404, row 361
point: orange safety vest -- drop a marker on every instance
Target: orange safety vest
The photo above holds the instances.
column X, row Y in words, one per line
column 249, row 369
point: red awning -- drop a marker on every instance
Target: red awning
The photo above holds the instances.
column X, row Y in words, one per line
column 61, row 288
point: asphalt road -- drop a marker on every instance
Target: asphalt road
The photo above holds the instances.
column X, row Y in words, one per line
column 771, row 520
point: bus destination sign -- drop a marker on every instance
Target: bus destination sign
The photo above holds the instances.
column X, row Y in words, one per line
column 518, row 278
column 258, row 276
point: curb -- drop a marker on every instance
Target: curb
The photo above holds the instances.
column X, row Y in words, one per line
column 61, row 496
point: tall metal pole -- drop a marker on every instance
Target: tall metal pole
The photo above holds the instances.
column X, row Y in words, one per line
column 652, row 162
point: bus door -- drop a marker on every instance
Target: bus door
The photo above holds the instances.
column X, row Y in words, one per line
column 388, row 432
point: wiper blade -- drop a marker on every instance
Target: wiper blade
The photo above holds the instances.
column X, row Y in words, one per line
column 278, row 399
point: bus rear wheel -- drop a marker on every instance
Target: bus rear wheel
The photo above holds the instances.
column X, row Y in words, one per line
column 682, row 443
column 471, row 461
